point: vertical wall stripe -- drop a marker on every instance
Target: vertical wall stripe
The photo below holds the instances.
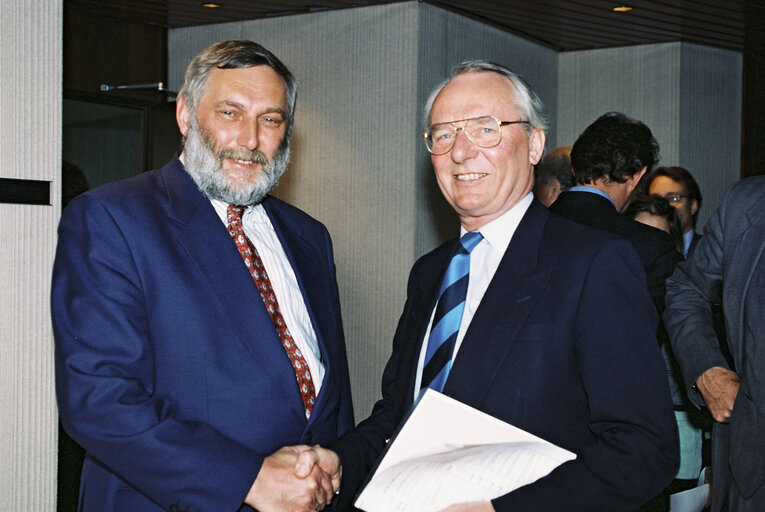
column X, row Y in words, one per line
column 30, row 148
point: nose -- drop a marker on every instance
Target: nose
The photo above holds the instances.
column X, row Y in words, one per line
column 247, row 137
column 463, row 148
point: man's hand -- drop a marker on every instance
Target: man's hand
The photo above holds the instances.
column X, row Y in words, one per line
column 326, row 460
column 473, row 506
column 719, row 387
column 283, row 487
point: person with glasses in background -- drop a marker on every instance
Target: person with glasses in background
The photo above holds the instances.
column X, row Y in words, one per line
column 677, row 186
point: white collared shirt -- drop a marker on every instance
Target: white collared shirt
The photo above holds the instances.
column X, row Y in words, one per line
column 258, row 228
column 484, row 261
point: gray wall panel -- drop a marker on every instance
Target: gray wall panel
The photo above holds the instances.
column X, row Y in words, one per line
column 640, row 81
column 30, row 148
column 689, row 95
column 710, row 121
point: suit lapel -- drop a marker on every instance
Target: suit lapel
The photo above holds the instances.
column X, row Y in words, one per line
column 210, row 247
column 753, row 242
column 514, row 291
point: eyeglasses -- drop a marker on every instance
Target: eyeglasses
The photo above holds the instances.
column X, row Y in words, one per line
column 675, row 198
column 484, row 132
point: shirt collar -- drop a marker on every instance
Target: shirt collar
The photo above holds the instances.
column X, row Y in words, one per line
column 499, row 232
column 687, row 239
column 587, row 188
column 255, row 211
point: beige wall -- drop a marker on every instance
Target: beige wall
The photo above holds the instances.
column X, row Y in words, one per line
column 30, row 148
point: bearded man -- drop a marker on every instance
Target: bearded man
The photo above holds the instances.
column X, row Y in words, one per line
column 197, row 319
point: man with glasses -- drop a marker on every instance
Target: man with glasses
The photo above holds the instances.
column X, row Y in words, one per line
column 677, row 186
column 538, row 321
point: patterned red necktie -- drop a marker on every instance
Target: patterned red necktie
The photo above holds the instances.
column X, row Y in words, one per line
column 258, row 271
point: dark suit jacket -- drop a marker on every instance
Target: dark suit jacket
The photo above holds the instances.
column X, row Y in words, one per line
column 654, row 247
column 562, row 345
column 168, row 369
column 728, row 266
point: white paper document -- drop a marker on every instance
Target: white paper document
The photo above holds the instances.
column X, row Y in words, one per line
column 448, row 452
column 692, row 500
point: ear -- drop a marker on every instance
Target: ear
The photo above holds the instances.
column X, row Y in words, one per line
column 634, row 180
column 536, row 145
column 182, row 115
column 694, row 207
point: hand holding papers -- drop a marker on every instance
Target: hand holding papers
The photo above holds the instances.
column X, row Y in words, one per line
column 447, row 452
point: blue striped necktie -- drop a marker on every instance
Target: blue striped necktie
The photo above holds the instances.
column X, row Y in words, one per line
column 448, row 316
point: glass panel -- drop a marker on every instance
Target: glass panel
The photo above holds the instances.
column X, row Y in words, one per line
column 105, row 141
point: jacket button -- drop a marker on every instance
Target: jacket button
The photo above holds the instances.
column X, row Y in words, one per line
column 308, row 437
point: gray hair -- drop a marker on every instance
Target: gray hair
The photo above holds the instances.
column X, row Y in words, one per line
column 229, row 55
column 532, row 108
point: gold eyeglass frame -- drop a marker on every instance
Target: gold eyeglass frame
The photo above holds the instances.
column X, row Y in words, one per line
column 500, row 124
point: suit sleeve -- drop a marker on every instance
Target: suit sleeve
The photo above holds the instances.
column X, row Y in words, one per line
column 634, row 452
column 661, row 268
column 105, row 376
column 693, row 289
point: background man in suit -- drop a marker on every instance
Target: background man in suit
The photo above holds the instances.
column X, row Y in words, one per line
column 728, row 266
column 677, row 185
column 557, row 332
column 609, row 159
column 553, row 175
column 185, row 359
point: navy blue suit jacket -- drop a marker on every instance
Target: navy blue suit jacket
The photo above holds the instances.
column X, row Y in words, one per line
column 655, row 249
column 169, row 371
column 562, row 345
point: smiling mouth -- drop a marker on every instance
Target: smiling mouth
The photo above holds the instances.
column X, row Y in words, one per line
column 470, row 177
column 243, row 162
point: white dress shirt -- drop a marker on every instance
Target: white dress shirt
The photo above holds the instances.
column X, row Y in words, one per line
column 484, row 260
column 258, row 228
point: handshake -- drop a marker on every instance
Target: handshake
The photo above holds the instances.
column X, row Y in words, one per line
column 296, row 479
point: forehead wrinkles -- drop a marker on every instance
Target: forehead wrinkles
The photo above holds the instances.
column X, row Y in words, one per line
column 246, row 87
column 474, row 94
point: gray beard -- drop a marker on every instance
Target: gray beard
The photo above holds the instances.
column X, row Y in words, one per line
column 202, row 161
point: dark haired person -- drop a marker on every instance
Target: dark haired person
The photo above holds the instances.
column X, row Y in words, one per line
column 655, row 211
column 196, row 318
column 677, row 185
column 609, row 159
